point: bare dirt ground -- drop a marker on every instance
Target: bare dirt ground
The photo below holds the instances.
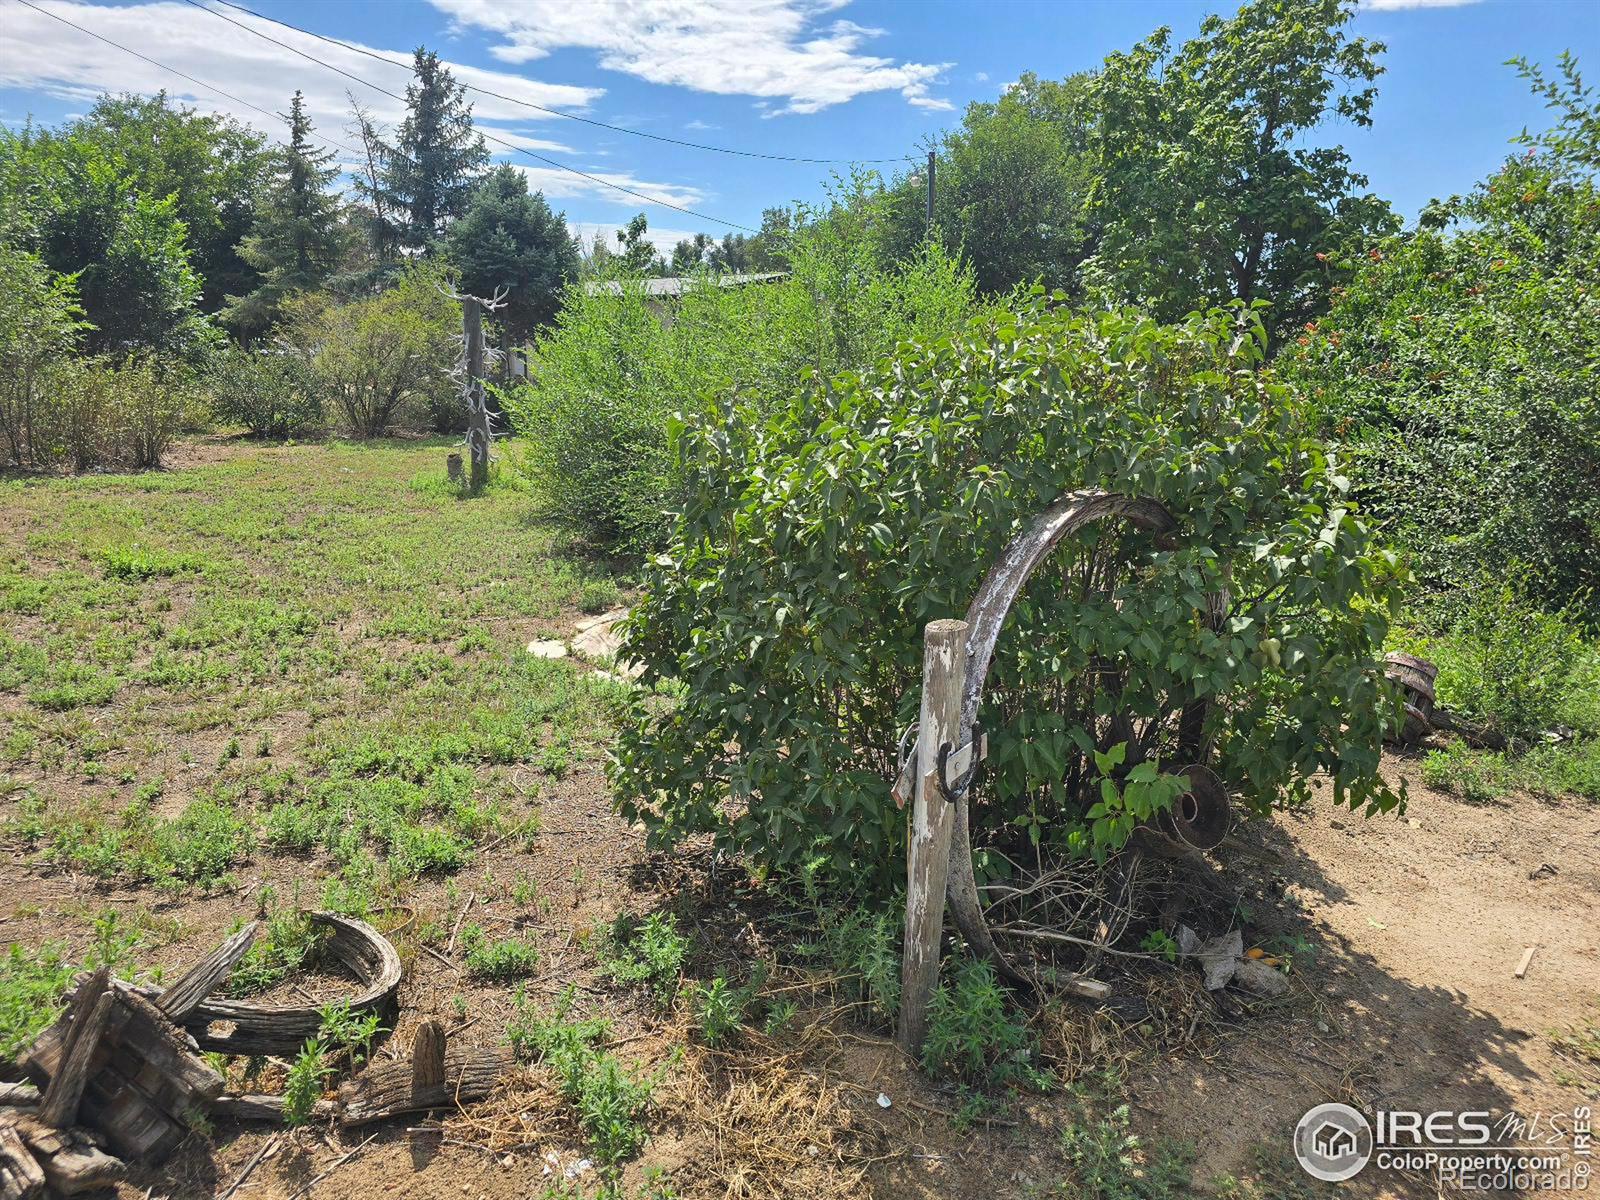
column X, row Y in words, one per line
column 1408, row 999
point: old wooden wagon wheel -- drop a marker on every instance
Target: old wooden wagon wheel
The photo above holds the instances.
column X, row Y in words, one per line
column 1170, row 735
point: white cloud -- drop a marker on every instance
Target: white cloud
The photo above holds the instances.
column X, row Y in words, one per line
column 1397, row 5
column 557, row 184
column 699, row 125
column 772, row 49
column 524, row 142
column 43, row 54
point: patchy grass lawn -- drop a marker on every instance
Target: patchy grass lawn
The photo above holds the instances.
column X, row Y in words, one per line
column 312, row 651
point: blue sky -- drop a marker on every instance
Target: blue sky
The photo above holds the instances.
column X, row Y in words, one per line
column 814, row 78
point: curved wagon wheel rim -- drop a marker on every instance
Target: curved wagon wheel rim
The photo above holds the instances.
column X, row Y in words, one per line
column 986, row 617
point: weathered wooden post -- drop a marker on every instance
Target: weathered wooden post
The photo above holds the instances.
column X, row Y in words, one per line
column 477, row 399
column 928, row 860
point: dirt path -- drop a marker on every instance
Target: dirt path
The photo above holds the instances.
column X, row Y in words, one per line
column 1419, row 923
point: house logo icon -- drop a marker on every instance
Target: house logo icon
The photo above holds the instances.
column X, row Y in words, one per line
column 1332, row 1142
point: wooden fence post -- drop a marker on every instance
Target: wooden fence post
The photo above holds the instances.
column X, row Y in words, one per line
column 477, row 400
column 928, row 859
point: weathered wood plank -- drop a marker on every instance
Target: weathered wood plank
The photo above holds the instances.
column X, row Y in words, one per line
column 21, row 1176
column 427, row 1057
column 90, row 1016
column 385, row 1089
column 932, row 818
column 200, row 980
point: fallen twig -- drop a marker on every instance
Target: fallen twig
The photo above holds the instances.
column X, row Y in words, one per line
column 256, row 1159
column 337, row 1164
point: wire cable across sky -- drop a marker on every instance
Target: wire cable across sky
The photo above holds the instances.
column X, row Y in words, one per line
column 556, row 112
column 487, row 136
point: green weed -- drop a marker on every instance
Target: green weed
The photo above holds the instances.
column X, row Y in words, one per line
column 507, row 958
column 975, row 1035
column 647, row 953
column 610, row 1100
column 598, row 595
column 1111, row 1162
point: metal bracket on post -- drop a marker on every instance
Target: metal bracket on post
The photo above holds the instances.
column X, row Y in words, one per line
column 964, row 762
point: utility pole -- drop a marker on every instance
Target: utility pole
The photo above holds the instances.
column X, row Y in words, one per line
column 930, row 192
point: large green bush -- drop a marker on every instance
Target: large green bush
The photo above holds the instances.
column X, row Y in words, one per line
column 1459, row 371
column 618, row 363
column 817, row 541
column 272, row 394
column 383, row 361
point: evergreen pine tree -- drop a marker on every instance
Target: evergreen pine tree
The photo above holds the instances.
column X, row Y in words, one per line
column 510, row 240
column 296, row 240
column 439, row 155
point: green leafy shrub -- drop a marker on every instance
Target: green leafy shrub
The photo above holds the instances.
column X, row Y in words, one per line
column 975, row 1035
column 1457, row 371
column 270, row 393
column 383, row 361
column 98, row 412
column 610, row 1100
column 1509, row 666
column 507, row 958
column 615, row 368
column 816, row 542
column 39, row 325
column 647, row 953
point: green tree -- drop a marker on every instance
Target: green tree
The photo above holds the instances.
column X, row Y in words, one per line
column 84, row 215
column 39, row 327
column 751, row 254
column 430, row 173
column 1208, row 184
column 1013, row 186
column 1459, row 370
column 635, row 252
column 297, row 239
column 214, row 168
column 510, row 239
column 690, row 254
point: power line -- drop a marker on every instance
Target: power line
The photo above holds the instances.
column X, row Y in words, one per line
column 174, row 71
column 556, row 112
column 515, row 149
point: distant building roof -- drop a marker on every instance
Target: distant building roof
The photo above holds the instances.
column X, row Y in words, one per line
column 677, row 285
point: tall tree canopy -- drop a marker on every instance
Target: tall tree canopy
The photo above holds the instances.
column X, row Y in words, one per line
column 1459, row 367
column 1172, row 178
column 214, row 167
column 73, row 201
column 296, row 241
column 1012, row 187
column 1209, row 185
column 438, row 156
column 510, row 239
